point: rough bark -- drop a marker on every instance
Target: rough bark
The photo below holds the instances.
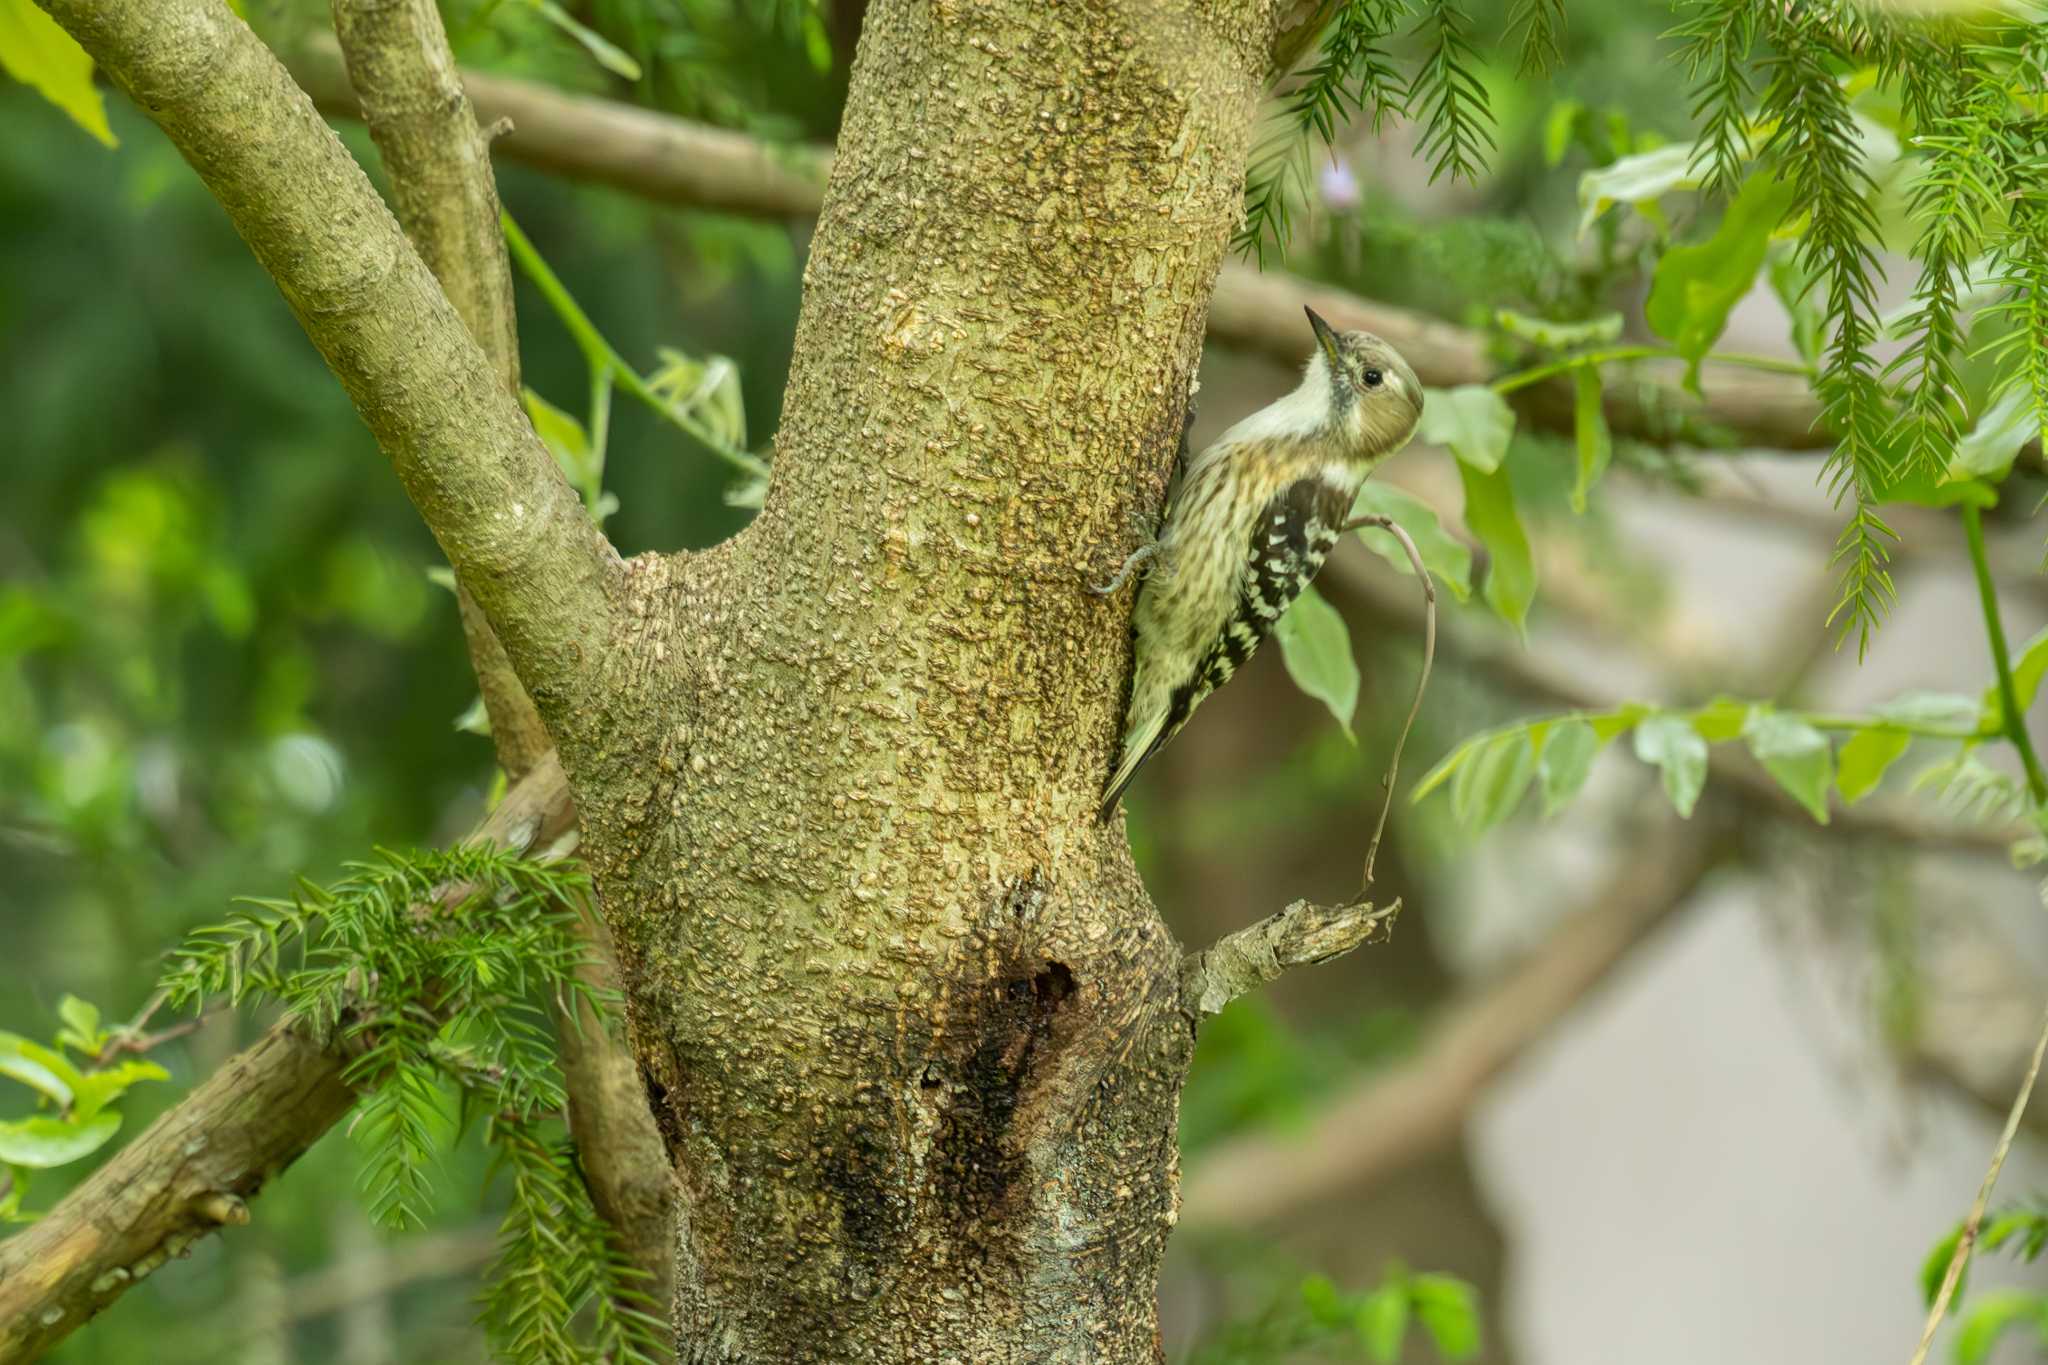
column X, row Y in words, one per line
column 914, row 1033
column 438, row 162
column 190, row 1174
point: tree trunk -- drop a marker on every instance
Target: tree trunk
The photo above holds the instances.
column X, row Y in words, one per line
column 913, row 1032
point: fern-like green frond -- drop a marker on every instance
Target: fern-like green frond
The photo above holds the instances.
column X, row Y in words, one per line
column 1447, row 98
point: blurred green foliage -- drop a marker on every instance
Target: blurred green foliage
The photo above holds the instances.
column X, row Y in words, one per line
column 223, row 665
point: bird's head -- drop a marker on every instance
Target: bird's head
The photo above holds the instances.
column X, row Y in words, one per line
column 1374, row 398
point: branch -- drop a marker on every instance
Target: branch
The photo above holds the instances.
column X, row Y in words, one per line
column 648, row 155
column 439, row 164
column 1302, row 935
column 193, row 1170
column 673, row 161
column 1975, row 1222
column 488, row 489
column 1387, row 1119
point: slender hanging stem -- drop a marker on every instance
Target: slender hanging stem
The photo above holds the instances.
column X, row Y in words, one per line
column 2015, row 724
column 1394, row 528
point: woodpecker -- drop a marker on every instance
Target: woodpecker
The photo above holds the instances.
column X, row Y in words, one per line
column 1248, row 523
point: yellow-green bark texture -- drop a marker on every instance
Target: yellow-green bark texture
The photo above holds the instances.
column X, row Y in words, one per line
column 910, row 1024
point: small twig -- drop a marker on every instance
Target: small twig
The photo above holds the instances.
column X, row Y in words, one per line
column 133, row 1039
column 1968, row 1239
column 1393, row 528
column 1302, row 935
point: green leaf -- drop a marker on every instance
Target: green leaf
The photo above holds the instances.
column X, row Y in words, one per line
column 28, row 1063
column 1721, row 719
column 1864, row 759
column 1447, row 766
column 566, row 440
column 1449, row 1313
column 1637, row 179
column 1793, row 286
column 1608, row 724
column 1696, row 286
column 1567, row 759
column 1322, row 1300
column 608, row 55
column 36, row 51
column 1448, row 559
column 2027, row 667
column 98, row 1089
column 82, row 1025
column 1934, row 1269
column 1472, row 420
column 40, row 1143
column 475, row 718
column 1558, row 336
column 1491, row 515
column 16, row 1185
column 1557, row 130
column 1589, row 429
column 1990, row 1314
column 707, row 389
column 1383, row 1321
column 1315, row 644
column 1988, row 449
column 1676, row 749
column 1923, row 487
column 1488, row 788
column 1795, row 753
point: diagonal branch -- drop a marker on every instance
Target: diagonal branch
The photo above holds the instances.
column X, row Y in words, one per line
column 485, row 485
column 192, row 1171
column 439, row 165
column 671, row 160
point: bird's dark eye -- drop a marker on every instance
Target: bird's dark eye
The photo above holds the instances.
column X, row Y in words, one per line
column 1372, row 379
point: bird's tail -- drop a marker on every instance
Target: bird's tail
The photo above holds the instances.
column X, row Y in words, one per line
column 1140, row 743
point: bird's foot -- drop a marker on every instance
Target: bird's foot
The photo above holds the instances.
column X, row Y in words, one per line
column 1139, row 557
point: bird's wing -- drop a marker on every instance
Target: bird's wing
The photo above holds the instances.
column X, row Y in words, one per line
column 1290, row 539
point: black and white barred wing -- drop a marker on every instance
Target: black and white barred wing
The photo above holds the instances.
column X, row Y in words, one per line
column 1290, row 538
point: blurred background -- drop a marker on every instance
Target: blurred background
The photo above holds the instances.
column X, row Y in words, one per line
column 1689, row 1092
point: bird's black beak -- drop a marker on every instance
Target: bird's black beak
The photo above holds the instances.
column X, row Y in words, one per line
column 1325, row 336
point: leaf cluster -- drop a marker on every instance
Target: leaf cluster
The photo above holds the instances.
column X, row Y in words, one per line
column 76, row 1101
column 1800, row 101
column 435, row 972
column 1488, row 774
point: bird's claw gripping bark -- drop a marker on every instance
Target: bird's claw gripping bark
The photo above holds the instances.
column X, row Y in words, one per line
column 1138, row 557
